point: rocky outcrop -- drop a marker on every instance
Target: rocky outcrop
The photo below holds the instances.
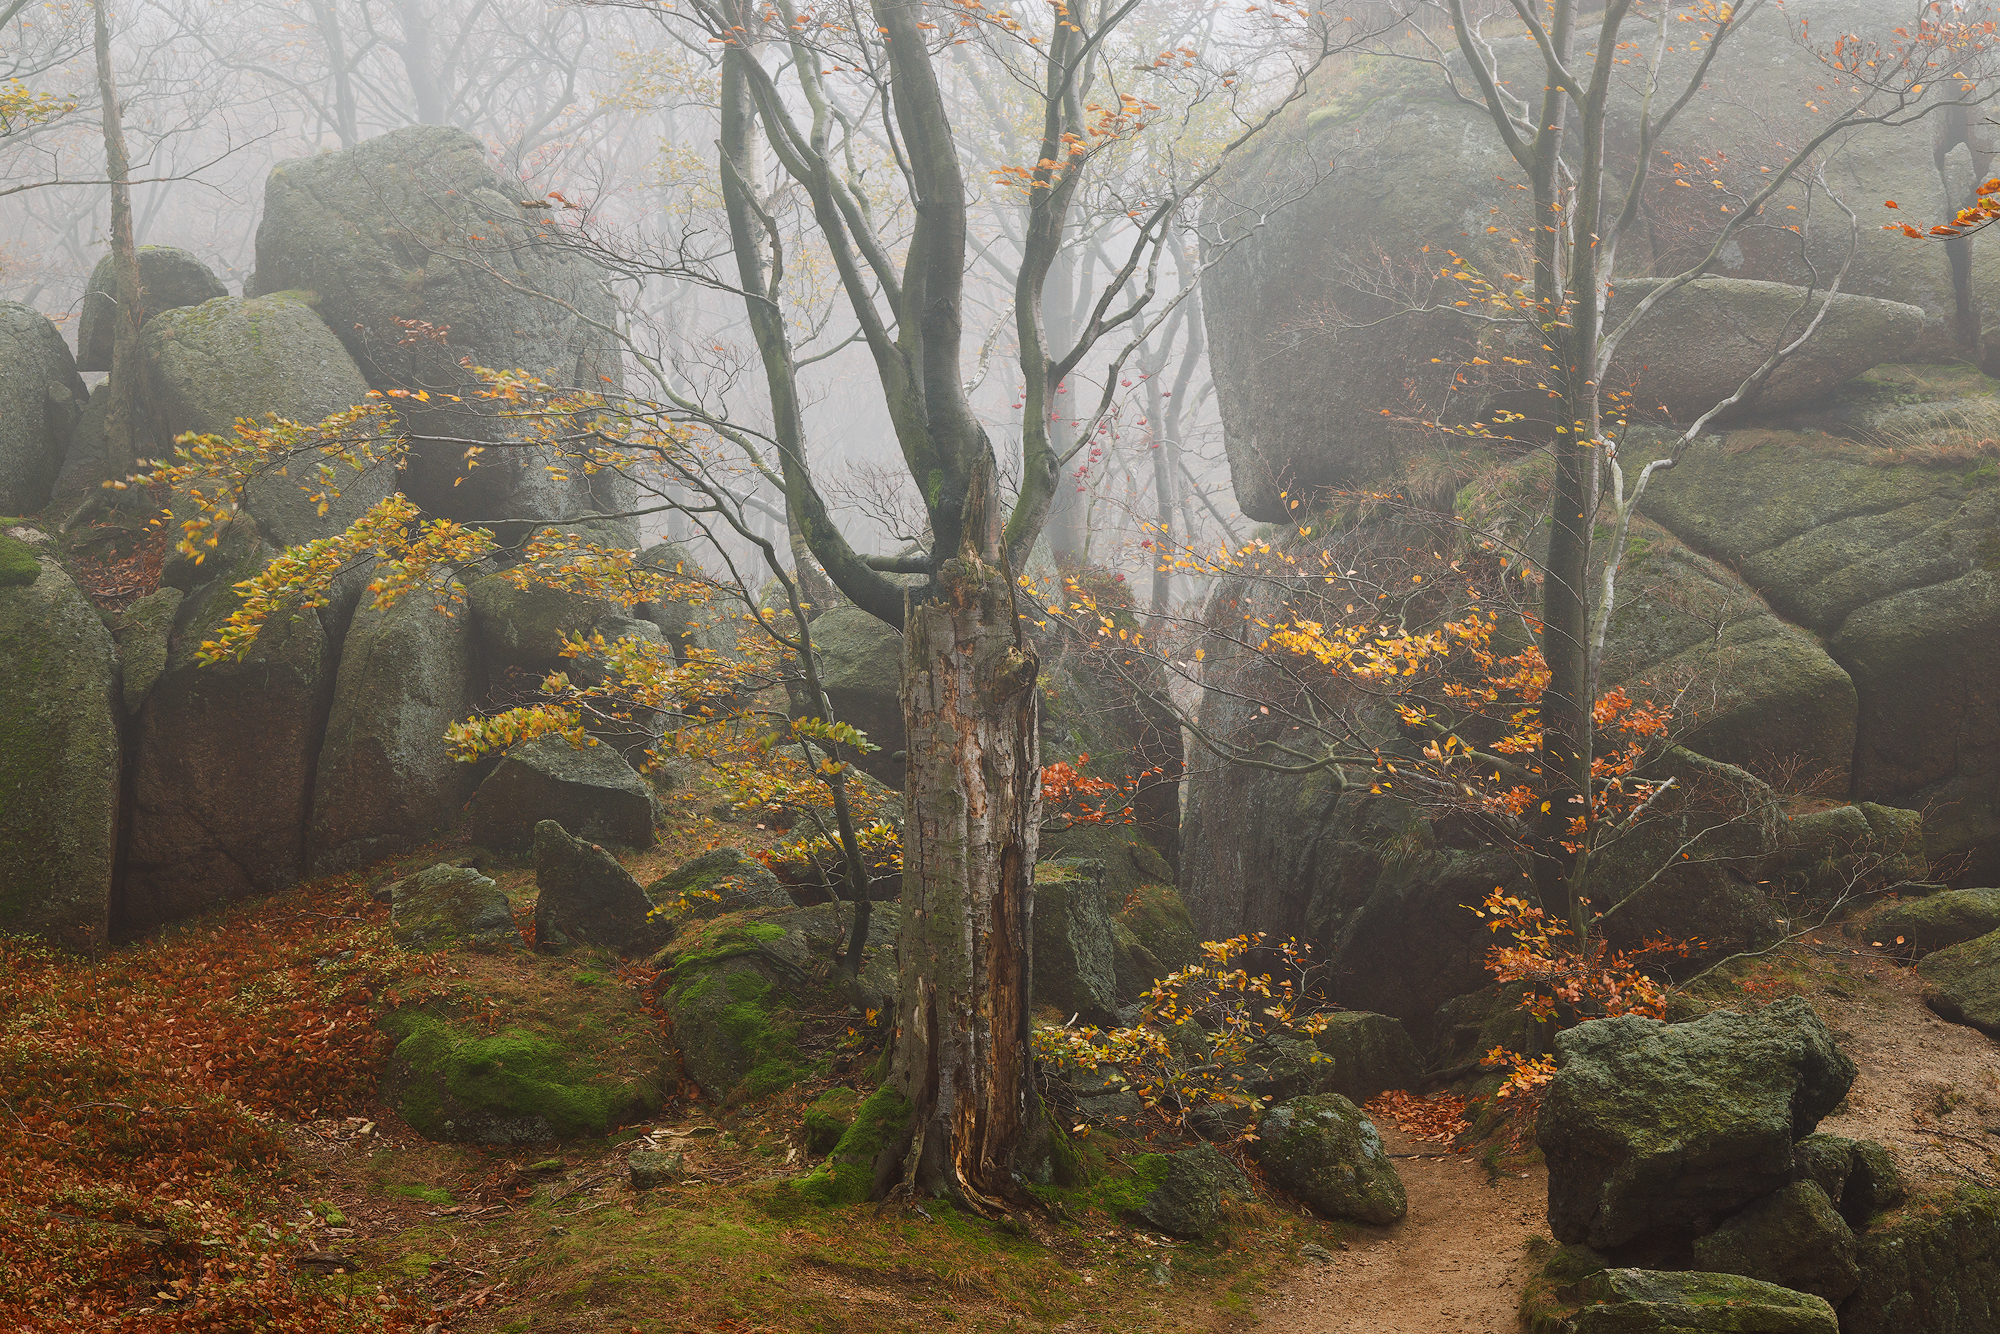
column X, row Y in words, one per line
column 421, row 255
column 59, row 760
column 209, row 734
column 1793, row 1238
column 589, row 790
column 385, row 781
column 1653, row 1130
column 142, row 631
column 526, row 627
column 1322, row 1150
column 1181, row 1194
column 1884, row 557
column 861, row 670
column 1369, row 1053
column 1935, row 1268
column 726, row 880
column 1074, row 965
column 169, row 278
column 446, row 906
column 1400, row 188
column 586, row 898
column 237, row 357
column 41, row 398
column 738, row 988
column 1919, row 926
column 1962, row 982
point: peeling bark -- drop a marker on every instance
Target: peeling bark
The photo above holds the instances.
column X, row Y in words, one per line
column 974, row 812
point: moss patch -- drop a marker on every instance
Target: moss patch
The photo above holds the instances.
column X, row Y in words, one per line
column 848, row 1175
column 18, row 566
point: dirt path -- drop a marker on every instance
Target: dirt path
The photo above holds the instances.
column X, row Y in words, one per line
column 1456, row 1265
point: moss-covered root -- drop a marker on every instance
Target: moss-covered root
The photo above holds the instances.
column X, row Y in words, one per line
column 848, row 1174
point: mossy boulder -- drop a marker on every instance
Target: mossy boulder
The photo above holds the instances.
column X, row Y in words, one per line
column 1932, row 1269
column 739, row 989
column 526, row 627
column 1794, row 1238
column 171, row 277
column 1962, row 983
column 1074, row 959
column 238, row 357
column 1370, row 1054
column 1920, row 926
column 1645, row 1301
column 226, row 752
column 1159, row 921
column 41, row 399
column 1323, row 1151
column 1858, row 1176
column 829, row 1117
column 545, row 1074
column 60, row 762
column 415, row 225
column 1181, row 1193
column 589, row 790
column 722, row 881
column 861, row 670
column 446, row 906
column 586, row 898
column 867, row 1154
column 142, row 630
column 385, row 781
column 1653, row 1130
column 19, row 565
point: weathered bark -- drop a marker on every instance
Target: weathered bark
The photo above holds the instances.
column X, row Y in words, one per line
column 125, row 419
column 974, row 812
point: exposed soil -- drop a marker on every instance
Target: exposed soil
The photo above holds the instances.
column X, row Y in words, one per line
column 1927, row 1089
column 1456, row 1264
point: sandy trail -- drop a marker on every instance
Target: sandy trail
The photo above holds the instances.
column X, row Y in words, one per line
column 1456, row 1265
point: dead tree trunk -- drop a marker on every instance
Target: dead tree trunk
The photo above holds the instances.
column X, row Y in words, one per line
column 974, row 811
column 126, row 418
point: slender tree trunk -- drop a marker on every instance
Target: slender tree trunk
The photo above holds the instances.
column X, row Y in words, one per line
column 974, row 811
column 125, row 417
column 346, row 122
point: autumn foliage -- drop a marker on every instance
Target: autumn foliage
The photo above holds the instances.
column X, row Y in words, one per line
column 140, row 1149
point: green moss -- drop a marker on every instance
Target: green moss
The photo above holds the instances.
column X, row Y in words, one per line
column 18, row 566
column 1986, row 474
column 1119, row 1196
column 511, row 1076
column 828, row 1119
column 428, row 1194
column 848, row 1175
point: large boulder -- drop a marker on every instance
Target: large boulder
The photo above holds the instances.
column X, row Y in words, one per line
column 1962, row 982
column 1885, row 554
column 1327, row 319
column 1653, row 1130
column 586, row 898
column 59, row 760
column 576, row 1056
column 142, row 632
column 41, row 398
column 1793, row 1238
column 1182, row 1194
column 1370, row 1054
column 169, row 278
column 1933, row 1269
column 1920, row 925
column 1646, row 1301
column 725, row 880
column 1857, row 1176
column 385, row 780
column 740, row 989
column 422, row 255
column 222, row 782
column 447, row 906
column 1074, row 963
column 861, row 670
column 526, row 627
column 1321, row 1149
column 237, row 357
column 590, row 790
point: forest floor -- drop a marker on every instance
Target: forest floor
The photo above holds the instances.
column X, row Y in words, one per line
column 191, row 1141
column 1927, row 1089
